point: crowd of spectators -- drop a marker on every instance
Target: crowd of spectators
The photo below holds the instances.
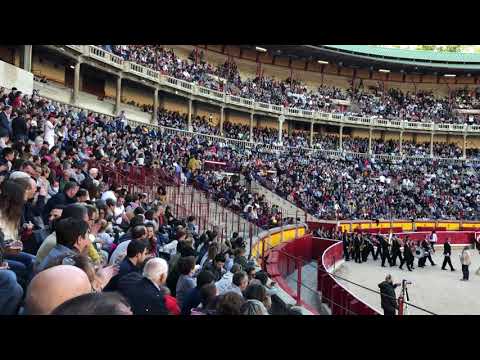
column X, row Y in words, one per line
column 74, row 242
column 299, row 138
column 375, row 101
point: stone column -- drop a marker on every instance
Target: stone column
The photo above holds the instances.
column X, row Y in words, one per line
column 431, row 144
column 401, row 142
column 251, row 127
column 190, row 104
column 27, row 58
column 76, row 82
column 155, row 107
column 281, row 119
column 311, row 134
column 341, row 138
column 118, row 97
column 222, row 118
column 370, row 140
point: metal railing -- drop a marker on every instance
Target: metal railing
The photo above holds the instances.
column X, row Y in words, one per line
column 249, row 144
column 191, row 88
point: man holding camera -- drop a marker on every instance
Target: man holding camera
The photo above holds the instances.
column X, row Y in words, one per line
column 387, row 294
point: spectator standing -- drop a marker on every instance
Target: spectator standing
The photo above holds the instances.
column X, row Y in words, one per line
column 465, row 260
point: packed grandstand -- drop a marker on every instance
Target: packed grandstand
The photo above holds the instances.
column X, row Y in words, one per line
column 89, row 201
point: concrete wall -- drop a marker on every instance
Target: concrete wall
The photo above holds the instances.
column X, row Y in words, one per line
column 48, row 68
column 12, row 76
column 208, row 110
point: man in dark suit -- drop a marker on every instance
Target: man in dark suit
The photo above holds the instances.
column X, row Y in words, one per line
column 146, row 294
column 346, row 245
column 356, row 248
column 427, row 248
column 396, row 252
column 447, row 253
column 368, row 249
column 377, row 242
column 385, row 253
column 407, row 256
column 387, row 293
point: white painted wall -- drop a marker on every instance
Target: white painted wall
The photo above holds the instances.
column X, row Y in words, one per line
column 12, row 76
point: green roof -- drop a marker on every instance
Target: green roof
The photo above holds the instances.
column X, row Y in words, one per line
column 412, row 57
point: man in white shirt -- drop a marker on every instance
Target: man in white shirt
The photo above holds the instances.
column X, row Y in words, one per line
column 49, row 131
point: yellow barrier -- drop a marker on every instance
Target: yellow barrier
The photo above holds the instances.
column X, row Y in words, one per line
column 275, row 239
column 407, row 225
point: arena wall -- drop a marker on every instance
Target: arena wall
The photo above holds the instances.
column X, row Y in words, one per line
column 49, row 68
column 207, row 110
column 12, row 76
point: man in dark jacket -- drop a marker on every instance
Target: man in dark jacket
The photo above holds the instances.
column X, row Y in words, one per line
column 192, row 299
column 5, row 120
column 385, row 254
column 133, row 262
column 407, row 256
column 447, row 253
column 146, row 295
column 19, row 127
column 66, row 197
column 216, row 267
column 396, row 252
column 389, row 300
column 346, row 246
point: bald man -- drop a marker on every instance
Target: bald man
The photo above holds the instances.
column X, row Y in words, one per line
column 53, row 287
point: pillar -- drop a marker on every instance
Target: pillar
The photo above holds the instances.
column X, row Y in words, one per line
column 401, row 142
column 464, row 146
column 431, row 144
column 190, row 104
column 341, row 138
column 311, row 134
column 118, row 98
column 370, row 140
column 251, row 127
column 155, row 107
column 222, row 116
column 161, row 101
column 281, row 119
column 76, row 82
column 27, row 58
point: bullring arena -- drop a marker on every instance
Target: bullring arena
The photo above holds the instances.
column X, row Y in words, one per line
column 235, row 179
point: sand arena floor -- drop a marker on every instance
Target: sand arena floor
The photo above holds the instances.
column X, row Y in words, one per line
column 439, row 291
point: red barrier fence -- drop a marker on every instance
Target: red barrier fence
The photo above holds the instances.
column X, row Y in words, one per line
column 343, row 302
column 287, row 258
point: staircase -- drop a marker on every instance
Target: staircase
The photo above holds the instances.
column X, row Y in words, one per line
column 287, row 208
column 185, row 200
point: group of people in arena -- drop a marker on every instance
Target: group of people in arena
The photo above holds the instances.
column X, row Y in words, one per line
column 358, row 246
column 375, row 101
column 73, row 242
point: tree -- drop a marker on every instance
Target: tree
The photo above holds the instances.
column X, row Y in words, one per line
column 444, row 48
column 427, row 47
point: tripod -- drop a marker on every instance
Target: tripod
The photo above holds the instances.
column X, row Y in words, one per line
column 402, row 307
